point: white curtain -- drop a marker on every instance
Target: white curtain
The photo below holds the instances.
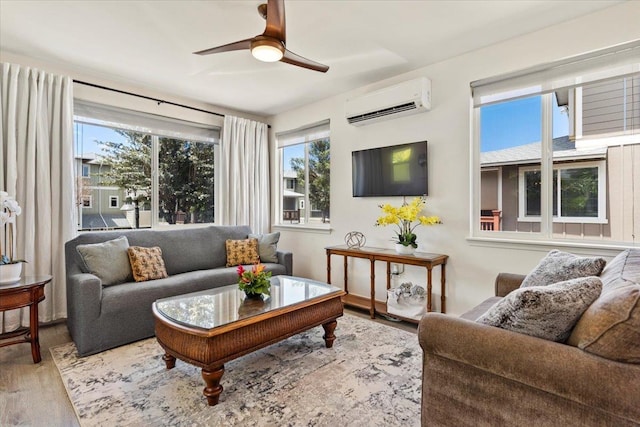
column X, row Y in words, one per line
column 244, row 174
column 36, row 167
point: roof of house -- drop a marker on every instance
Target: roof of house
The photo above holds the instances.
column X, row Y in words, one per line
column 102, row 221
column 563, row 149
column 92, row 158
column 289, row 193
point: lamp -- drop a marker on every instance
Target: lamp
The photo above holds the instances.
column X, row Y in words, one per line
column 267, row 49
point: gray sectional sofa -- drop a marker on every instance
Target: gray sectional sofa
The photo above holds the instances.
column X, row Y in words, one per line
column 102, row 317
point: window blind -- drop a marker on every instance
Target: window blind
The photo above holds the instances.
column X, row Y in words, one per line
column 301, row 135
column 616, row 61
column 131, row 120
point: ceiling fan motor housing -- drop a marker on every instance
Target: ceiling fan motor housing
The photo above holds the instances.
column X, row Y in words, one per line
column 267, row 49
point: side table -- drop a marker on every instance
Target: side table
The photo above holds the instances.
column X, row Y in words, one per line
column 28, row 292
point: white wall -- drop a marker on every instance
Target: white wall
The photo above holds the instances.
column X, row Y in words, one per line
column 472, row 268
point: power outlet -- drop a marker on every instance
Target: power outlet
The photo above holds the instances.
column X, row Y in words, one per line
column 397, row 269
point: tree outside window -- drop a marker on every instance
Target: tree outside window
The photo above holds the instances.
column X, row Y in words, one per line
column 317, row 156
column 184, row 191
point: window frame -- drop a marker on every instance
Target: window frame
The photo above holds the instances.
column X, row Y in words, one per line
column 117, row 200
column 93, row 114
column 601, row 165
column 543, row 80
column 306, row 136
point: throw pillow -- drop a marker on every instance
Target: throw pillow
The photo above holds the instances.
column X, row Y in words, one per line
column 559, row 266
column 242, row 252
column 610, row 328
column 621, row 271
column 547, row 312
column 147, row 263
column 107, row 260
column 267, row 246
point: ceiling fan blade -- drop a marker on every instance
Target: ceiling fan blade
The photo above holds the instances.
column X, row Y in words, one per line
column 291, row 58
column 275, row 20
column 241, row 45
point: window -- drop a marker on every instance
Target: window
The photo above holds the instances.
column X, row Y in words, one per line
column 164, row 166
column 114, row 202
column 290, row 183
column 86, row 202
column 580, row 193
column 555, row 150
column 305, row 175
column 85, row 170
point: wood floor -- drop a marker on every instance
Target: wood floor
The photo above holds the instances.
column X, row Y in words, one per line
column 33, row 395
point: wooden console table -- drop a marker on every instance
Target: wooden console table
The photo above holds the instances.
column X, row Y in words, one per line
column 389, row 256
column 28, row 292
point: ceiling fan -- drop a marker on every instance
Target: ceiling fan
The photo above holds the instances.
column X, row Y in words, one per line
column 270, row 46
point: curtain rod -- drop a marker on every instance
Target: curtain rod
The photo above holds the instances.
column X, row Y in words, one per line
column 159, row 101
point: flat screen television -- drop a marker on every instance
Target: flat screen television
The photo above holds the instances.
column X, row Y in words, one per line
column 398, row 170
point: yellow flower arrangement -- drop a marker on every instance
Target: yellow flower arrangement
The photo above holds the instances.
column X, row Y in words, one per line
column 407, row 217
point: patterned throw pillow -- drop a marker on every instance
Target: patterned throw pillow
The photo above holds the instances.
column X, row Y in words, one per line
column 267, row 246
column 547, row 312
column 146, row 263
column 559, row 266
column 242, row 252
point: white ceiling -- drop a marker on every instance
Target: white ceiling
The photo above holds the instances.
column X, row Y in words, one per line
column 150, row 43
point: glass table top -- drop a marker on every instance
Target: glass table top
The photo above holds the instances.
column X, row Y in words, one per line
column 220, row 306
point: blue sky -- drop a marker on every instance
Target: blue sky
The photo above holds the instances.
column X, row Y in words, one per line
column 518, row 122
column 290, row 152
column 86, row 136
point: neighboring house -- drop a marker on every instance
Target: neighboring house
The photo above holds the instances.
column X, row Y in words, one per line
column 592, row 169
column 98, row 205
column 292, row 197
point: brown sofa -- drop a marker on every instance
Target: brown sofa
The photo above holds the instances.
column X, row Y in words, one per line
column 479, row 375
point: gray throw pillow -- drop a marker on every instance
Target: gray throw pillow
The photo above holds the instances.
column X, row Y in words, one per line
column 547, row 312
column 559, row 266
column 267, row 246
column 108, row 260
column 623, row 270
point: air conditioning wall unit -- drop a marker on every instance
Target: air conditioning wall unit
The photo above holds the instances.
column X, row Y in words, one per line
column 402, row 99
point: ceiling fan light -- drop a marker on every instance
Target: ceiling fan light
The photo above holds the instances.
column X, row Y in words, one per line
column 266, row 52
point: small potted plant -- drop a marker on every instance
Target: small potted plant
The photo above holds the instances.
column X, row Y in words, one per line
column 407, row 217
column 10, row 268
column 255, row 282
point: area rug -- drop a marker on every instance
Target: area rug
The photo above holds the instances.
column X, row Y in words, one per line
column 371, row 377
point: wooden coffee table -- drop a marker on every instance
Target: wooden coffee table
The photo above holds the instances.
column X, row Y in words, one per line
column 209, row 328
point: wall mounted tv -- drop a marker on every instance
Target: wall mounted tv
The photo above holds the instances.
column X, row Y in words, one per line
column 398, row 170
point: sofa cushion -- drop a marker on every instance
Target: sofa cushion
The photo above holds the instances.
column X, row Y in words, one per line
column 242, row 252
column 558, row 266
column 108, row 260
column 267, row 246
column 610, row 327
column 621, row 271
column 480, row 309
column 548, row 312
column 146, row 263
